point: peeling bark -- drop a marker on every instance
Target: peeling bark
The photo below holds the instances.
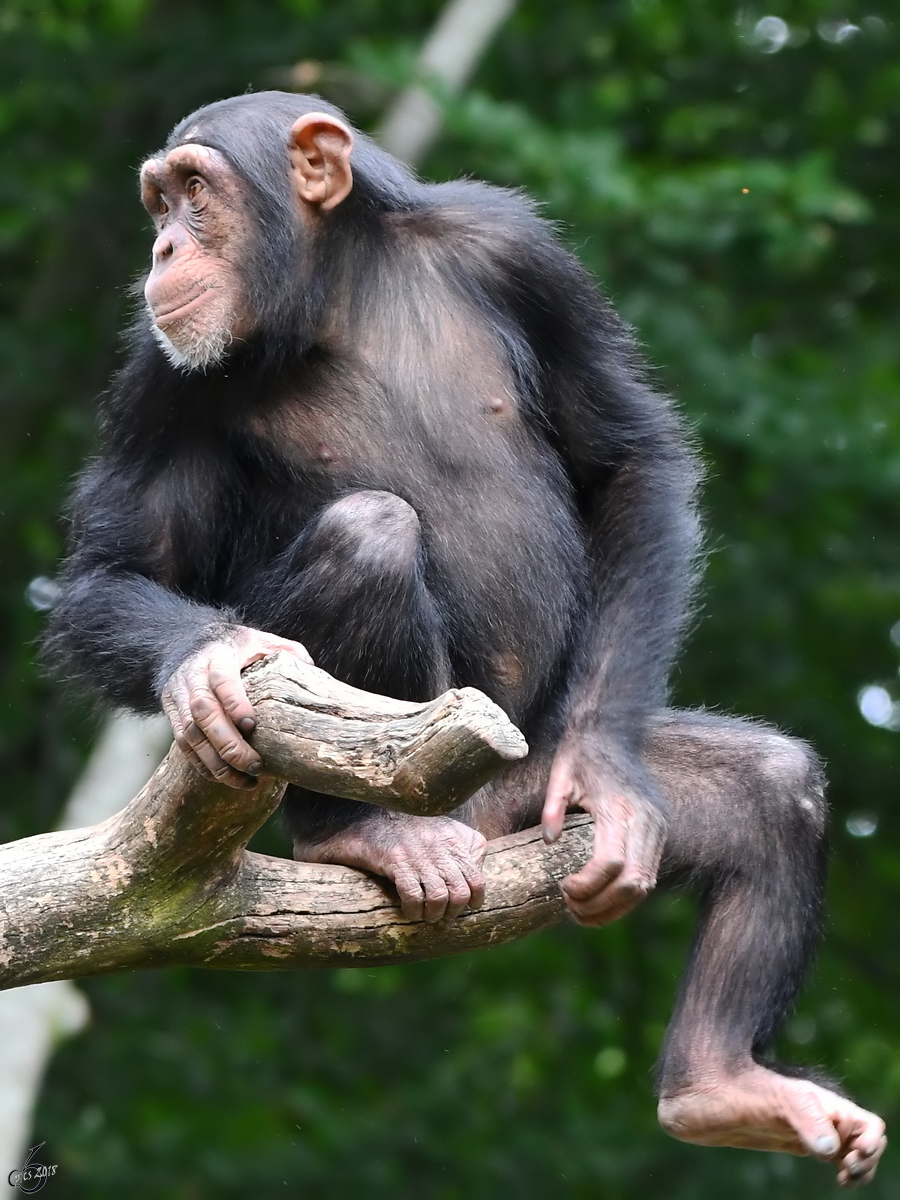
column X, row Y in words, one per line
column 169, row 881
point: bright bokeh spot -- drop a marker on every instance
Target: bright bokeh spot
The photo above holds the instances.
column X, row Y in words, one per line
column 837, row 31
column 876, row 705
column 861, row 825
column 771, row 34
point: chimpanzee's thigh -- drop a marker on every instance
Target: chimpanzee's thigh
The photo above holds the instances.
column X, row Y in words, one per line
column 352, row 589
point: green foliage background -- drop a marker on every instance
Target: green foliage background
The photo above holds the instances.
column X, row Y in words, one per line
column 740, row 202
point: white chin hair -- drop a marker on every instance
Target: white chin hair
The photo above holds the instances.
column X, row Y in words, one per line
column 199, row 349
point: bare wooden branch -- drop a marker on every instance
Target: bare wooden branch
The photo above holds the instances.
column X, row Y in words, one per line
column 169, row 880
column 417, row 758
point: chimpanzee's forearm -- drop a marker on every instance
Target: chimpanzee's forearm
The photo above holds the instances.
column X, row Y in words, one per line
column 123, row 635
column 643, row 534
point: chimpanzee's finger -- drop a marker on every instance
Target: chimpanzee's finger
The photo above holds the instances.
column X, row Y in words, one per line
column 224, row 678
column 299, row 649
column 170, row 708
column 219, row 771
column 409, row 890
column 641, row 851
column 863, row 1142
column 190, row 736
column 855, row 1170
column 471, row 868
column 212, row 766
column 209, row 716
column 556, row 801
column 459, row 894
column 606, row 862
column 610, row 905
column 176, row 704
column 197, row 763
column 437, row 894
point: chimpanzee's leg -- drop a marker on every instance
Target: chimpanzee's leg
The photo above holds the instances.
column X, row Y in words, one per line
column 748, row 828
column 352, row 589
column 748, row 824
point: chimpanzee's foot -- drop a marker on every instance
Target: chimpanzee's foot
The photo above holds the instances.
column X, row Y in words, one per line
column 434, row 862
column 758, row 1109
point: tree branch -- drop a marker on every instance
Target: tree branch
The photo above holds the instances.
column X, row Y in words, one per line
column 449, row 56
column 169, row 881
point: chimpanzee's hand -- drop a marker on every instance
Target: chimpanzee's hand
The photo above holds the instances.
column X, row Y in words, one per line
column 208, row 707
column 629, row 835
column 434, row 862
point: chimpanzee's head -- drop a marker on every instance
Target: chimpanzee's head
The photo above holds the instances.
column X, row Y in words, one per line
column 237, row 198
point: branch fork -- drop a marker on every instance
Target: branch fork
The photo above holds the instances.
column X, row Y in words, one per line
column 169, row 881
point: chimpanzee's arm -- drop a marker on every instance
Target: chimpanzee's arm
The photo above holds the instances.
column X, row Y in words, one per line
column 121, row 630
column 115, row 627
column 634, row 477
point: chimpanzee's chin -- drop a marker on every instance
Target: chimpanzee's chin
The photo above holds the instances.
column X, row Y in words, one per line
column 193, row 350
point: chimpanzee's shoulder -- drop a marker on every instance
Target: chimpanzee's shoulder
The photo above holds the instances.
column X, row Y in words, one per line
column 470, row 212
column 496, row 234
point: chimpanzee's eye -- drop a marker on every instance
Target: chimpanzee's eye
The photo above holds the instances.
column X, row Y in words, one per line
column 194, row 188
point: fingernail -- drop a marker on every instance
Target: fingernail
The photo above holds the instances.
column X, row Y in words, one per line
column 255, row 769
column 548, row 833
column 246, row 724
column 826, row 1144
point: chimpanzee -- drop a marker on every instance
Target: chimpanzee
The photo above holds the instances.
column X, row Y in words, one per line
column 394, row 423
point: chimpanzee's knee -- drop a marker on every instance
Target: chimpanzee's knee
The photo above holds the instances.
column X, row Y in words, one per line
column 743, row 797
column 369, row 530
column 790, row 783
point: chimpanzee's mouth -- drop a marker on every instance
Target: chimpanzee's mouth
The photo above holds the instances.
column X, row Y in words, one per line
column 183, row 309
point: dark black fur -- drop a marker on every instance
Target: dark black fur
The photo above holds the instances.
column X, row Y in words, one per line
column 547, row 560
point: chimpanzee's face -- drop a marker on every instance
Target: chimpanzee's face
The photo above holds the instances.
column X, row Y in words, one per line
column 195, row 291
column 197, row 288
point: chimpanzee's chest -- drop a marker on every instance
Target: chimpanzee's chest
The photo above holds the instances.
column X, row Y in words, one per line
column 460, row 450
column 494, row 501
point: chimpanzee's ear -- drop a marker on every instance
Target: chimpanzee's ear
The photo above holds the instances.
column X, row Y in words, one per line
column 319, row 150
